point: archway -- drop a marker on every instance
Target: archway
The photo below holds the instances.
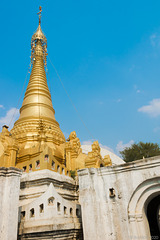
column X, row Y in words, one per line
column 143, row 210
column 152, row 212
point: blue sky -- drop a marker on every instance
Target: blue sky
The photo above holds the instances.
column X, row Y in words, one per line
column 108, row 56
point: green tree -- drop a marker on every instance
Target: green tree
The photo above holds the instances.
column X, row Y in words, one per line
column 140, row 150
column 73, row 174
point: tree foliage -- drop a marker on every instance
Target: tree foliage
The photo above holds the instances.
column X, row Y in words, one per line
column 140, row 150
column 73, row 174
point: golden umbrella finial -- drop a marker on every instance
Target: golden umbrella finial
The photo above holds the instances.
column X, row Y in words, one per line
column 39, row 13
column 39, row 35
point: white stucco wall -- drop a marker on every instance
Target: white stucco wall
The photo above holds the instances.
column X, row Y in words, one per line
column 51, row 218
column 123, row 216
column 9, row 199
column 59, row 220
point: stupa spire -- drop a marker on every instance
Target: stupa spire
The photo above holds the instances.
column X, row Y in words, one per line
column 39, row 37
column 39, row 13
column 37, row 106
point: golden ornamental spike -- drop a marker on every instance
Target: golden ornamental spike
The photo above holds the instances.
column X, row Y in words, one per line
column 39, row 43
column 40, row 15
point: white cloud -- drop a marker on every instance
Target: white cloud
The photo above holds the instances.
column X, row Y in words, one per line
column 10, row 117
column 138, row 91
column 1, row 106
column 121, row 146
column 153, row 109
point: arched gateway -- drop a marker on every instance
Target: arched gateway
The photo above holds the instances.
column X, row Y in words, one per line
column 143, row 210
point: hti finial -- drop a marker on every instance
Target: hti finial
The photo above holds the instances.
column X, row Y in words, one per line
column 39, row 13
column 39, row 42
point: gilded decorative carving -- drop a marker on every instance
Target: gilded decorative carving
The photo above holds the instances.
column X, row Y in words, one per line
column 107, row 160
column 73, row 149
column 8, row 148
column 94, row 158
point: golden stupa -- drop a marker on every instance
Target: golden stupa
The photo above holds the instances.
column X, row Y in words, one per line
column 36, row 141
column 37, row 113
